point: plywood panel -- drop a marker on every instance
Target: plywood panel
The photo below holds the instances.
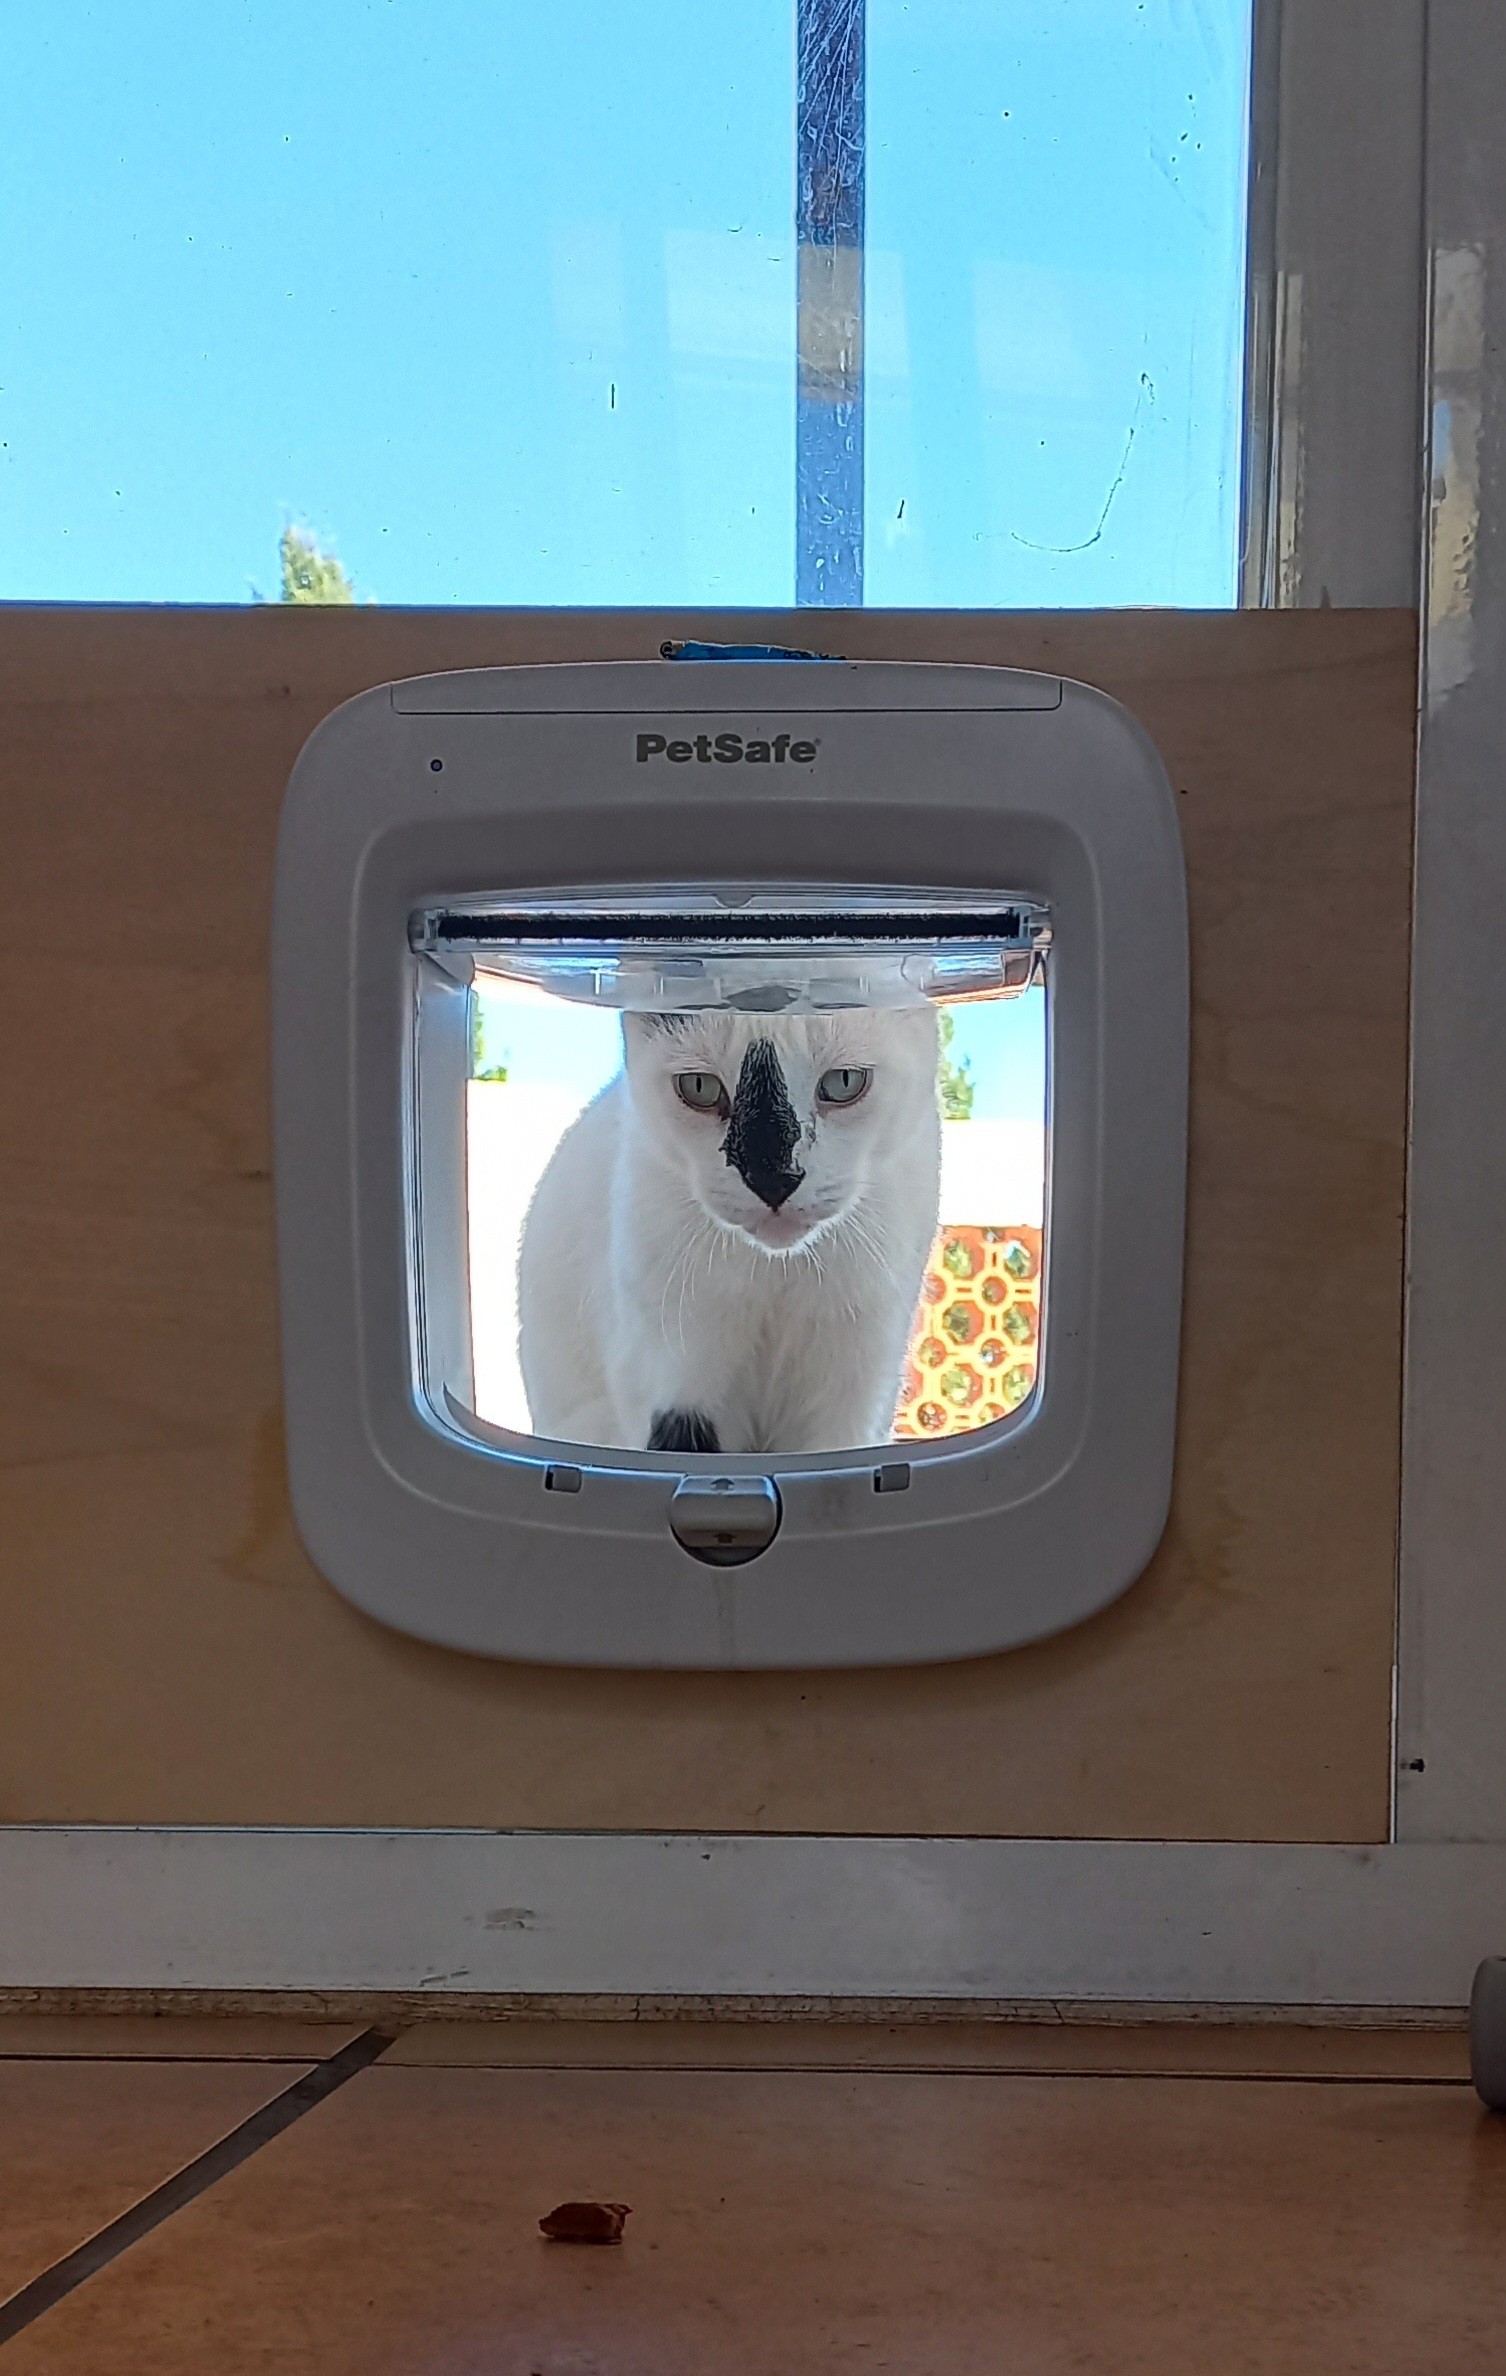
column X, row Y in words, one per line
column 171, row 1656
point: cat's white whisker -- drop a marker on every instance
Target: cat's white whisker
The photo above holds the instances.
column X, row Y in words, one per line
column 687, row 1266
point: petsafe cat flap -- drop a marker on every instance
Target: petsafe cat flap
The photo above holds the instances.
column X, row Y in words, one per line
column 730, row 1151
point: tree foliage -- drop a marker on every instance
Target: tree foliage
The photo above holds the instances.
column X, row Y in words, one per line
column 308, row 572
column 480, row 1069
column 956, row 1080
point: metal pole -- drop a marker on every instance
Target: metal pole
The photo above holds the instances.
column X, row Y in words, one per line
column 831, row 140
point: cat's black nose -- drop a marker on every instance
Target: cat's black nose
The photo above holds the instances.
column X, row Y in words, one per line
column 774, row 1187
column 762, row 1134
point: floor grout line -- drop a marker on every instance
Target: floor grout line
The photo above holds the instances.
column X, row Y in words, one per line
column 53, row 2284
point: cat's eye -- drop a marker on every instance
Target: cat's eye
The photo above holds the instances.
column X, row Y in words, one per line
column 844, row 1084
column 703, row 1092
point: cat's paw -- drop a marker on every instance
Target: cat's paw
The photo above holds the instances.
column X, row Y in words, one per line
column 682, row 1431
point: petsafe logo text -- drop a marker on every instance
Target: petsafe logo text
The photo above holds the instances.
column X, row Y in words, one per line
column 729, row 750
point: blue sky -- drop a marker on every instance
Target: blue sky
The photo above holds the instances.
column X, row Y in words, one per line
column 560, row 1045
column 500, row 300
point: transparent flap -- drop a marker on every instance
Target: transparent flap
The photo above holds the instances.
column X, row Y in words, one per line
column 749, row 958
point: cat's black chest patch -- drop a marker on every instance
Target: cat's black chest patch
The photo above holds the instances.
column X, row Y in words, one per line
column 763, row 1132
column 683, row 1431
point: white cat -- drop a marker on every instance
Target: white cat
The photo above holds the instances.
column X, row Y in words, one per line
column 726, row 1249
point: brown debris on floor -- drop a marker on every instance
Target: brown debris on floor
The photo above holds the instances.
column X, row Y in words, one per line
column 585, row 2223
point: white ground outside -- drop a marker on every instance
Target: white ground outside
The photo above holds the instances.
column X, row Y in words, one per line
column 991, row 1172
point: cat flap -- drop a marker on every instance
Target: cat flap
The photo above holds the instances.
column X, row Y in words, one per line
column 691, row 1256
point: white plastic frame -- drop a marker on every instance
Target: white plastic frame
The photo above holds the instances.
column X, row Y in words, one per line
column 492, row 781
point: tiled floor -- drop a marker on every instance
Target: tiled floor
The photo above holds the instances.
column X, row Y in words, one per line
column 144, row 2037
column 950, row 2200
column 1260, row 2051
column 80, row 2142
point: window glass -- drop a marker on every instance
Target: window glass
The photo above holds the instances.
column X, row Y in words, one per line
column 433, row 301
column 1055, row 313
column 495, row 303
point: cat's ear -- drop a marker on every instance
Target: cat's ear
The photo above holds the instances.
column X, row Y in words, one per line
column 644, row 1034
column 654, row 1027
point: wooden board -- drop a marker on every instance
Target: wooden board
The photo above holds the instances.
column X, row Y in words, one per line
column 169, row 1654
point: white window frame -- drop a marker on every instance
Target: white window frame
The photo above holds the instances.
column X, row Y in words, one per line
column 1335, row 319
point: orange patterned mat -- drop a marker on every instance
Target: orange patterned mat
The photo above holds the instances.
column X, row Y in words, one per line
column 973, row 1354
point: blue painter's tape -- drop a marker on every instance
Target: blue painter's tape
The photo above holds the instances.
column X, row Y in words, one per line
column 714, row 651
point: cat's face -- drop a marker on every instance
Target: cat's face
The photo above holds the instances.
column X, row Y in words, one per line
column 777, row 1125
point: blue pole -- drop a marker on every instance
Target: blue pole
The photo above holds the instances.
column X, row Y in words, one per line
column 831, row 140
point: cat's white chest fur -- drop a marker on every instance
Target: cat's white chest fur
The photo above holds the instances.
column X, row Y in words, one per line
column 726, row 1250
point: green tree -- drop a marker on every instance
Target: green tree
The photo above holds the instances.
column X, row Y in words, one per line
column 480, row 1069
column 308, row 573
column 956, row 1080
